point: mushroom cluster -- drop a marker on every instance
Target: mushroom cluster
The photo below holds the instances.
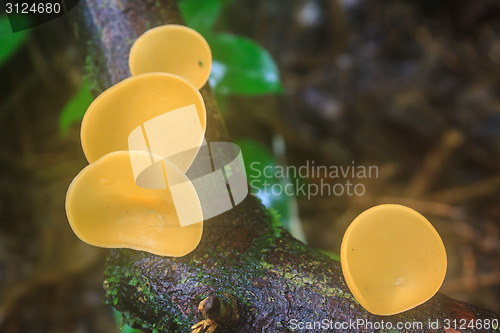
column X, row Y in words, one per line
column 392, row 259
column 152, row 179
column 132, row 194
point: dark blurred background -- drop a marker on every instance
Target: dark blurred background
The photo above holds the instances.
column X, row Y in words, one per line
column 408, row 86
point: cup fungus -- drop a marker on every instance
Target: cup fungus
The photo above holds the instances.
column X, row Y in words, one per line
column 392, row 259
column 174, row 49
column 106, row 208
column 140, row 137
column 119, row 110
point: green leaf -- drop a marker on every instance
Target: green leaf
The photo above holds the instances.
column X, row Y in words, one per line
column 9, row 41
column 200, row 15
column 75, row 109
column 240, row 66
column 259, row 167
column 332, row 255
column 124, row 328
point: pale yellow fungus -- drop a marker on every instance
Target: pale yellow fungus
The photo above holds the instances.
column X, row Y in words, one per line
column 174, row 49
column 392, row 259
column 106, row 208
column 119, row 110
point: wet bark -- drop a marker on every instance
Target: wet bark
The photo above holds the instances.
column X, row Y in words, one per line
column 247, row 274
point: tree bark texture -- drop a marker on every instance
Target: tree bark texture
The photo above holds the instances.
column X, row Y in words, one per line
column 247, row 274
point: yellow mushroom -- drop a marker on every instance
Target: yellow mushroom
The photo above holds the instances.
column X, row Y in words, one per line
column 174, row 49
column 106, row 208
column 134, row 102
column 392, row 259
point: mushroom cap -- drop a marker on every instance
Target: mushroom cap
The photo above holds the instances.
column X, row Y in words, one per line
column 174, row 49
column 106, row 208
column 115, row 113
column 392, row 259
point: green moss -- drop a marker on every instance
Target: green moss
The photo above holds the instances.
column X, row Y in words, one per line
column 229, row 271
column 133, row 282
column 276, row 223
column 90, row 75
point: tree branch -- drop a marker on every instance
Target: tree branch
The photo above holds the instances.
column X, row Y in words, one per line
column 247, row 274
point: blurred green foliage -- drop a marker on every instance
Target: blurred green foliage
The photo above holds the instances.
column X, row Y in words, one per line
column 256, row 158
column 9, row 41
column 74, row 110
column 200, row 15
column 240, row 66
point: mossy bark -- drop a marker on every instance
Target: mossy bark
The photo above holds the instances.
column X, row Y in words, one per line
column 244, row 256
column 273, row 277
